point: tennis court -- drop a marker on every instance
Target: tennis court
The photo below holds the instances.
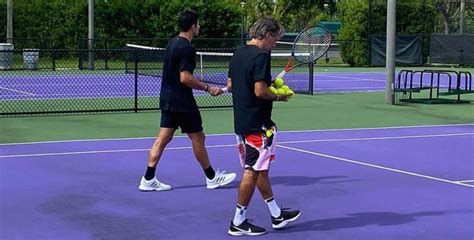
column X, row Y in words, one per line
column 375, row 142
column 115, row 84
column 112, row 84
column 412, row 182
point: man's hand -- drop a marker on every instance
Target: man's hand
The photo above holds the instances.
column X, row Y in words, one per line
column 283, row 97
column 215, row 91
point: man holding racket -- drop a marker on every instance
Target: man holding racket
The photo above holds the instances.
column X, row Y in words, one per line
column 249, row 79
column 179, row 108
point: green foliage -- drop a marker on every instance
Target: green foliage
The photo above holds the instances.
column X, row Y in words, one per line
column 293, row 14
column 61, row 21
column 413, row 17
column 353, row 35
column 66, row 21
column 3, row 19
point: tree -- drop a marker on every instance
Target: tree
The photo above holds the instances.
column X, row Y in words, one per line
column 293, row 14
column 445, row 8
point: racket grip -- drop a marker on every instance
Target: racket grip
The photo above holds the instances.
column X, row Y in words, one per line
column 280, row 75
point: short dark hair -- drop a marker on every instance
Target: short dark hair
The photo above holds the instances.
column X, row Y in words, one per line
column 187, row 19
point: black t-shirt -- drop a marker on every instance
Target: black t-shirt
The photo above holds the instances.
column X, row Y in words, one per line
column 248, row 65
column 180, row 56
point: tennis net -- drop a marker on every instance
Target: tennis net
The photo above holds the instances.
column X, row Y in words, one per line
column 211, row 66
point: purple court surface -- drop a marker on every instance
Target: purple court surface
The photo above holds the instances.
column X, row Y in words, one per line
column 110, row 84
column 374, row 183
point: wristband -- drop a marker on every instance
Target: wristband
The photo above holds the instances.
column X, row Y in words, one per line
column 206, row 88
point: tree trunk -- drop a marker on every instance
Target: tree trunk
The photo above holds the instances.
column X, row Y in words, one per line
column 443, row 8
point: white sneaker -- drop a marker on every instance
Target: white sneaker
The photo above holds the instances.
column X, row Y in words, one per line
column 221, row 179
column 153, row 185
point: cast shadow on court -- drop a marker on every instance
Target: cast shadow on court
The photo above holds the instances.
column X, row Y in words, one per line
column 285, row 181
column 356, row 220
column 307, row 180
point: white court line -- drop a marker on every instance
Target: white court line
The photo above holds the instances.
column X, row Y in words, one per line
column 106, row 151
column 18, row 91
column 229, row 145
column 465, row 181
column 232, row 134
column 75, row 97
column 349, row 88
column 351, row 80
column 376, row 166
column 350, row 91
column 379, row 138
column 356, row 78
column 286, row 147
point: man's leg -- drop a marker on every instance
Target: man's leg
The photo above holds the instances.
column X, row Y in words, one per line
column 149, row 182
column 280, row 217
column 199, row 148
column 164, row 137
column 247, row 187
column 263, row 184
column 213, row 179
column 239, row 225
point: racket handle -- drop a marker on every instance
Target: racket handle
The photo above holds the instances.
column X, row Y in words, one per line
column 280, row 75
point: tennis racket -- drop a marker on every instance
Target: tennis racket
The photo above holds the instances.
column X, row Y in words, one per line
column 309, row 45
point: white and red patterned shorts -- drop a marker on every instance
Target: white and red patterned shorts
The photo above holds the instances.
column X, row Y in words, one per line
column 257, row 150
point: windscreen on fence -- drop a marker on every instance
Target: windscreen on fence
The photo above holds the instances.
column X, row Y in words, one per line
column 408, row 50
column 452, row 49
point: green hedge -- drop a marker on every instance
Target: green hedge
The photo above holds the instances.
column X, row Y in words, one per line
column 66, row 21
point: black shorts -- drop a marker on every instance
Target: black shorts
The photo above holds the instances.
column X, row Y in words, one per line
column 189, row 122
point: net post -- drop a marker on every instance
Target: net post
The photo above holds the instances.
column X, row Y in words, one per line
column 135, row 60
column 53, row 56
column 80, row 54
column 311, row 78
column 106, row 54
column 201, row 67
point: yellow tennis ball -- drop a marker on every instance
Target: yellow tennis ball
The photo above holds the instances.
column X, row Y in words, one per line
column 280, row 91
column 285, row 87
column 289, row 92
column 272, row 89
column 269, row 133
column 279, row 82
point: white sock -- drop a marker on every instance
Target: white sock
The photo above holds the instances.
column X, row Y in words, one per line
column 239, row 217
column 273, row 207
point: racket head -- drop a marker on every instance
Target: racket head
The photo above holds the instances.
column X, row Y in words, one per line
column 311, row 43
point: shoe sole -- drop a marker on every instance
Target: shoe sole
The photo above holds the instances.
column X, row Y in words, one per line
column 284, row 223
column 244, row 233
column 152, row 189
column 222, row 184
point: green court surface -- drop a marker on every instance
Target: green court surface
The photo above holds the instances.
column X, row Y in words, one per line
column 303, row 112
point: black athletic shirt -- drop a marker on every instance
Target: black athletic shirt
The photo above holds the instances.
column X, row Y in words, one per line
column 180, row 55
column 248, row 65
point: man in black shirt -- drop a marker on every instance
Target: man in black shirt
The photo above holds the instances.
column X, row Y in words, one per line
column 249, row 79
column 179, row 108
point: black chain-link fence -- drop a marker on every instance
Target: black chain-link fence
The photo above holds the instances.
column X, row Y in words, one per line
column 57, row 81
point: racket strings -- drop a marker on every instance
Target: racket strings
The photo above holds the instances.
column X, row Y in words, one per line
column 311, row 44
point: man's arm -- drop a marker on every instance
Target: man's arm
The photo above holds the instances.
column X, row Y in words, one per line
column 189, row 80
column 261, row 91
column 229, row 85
